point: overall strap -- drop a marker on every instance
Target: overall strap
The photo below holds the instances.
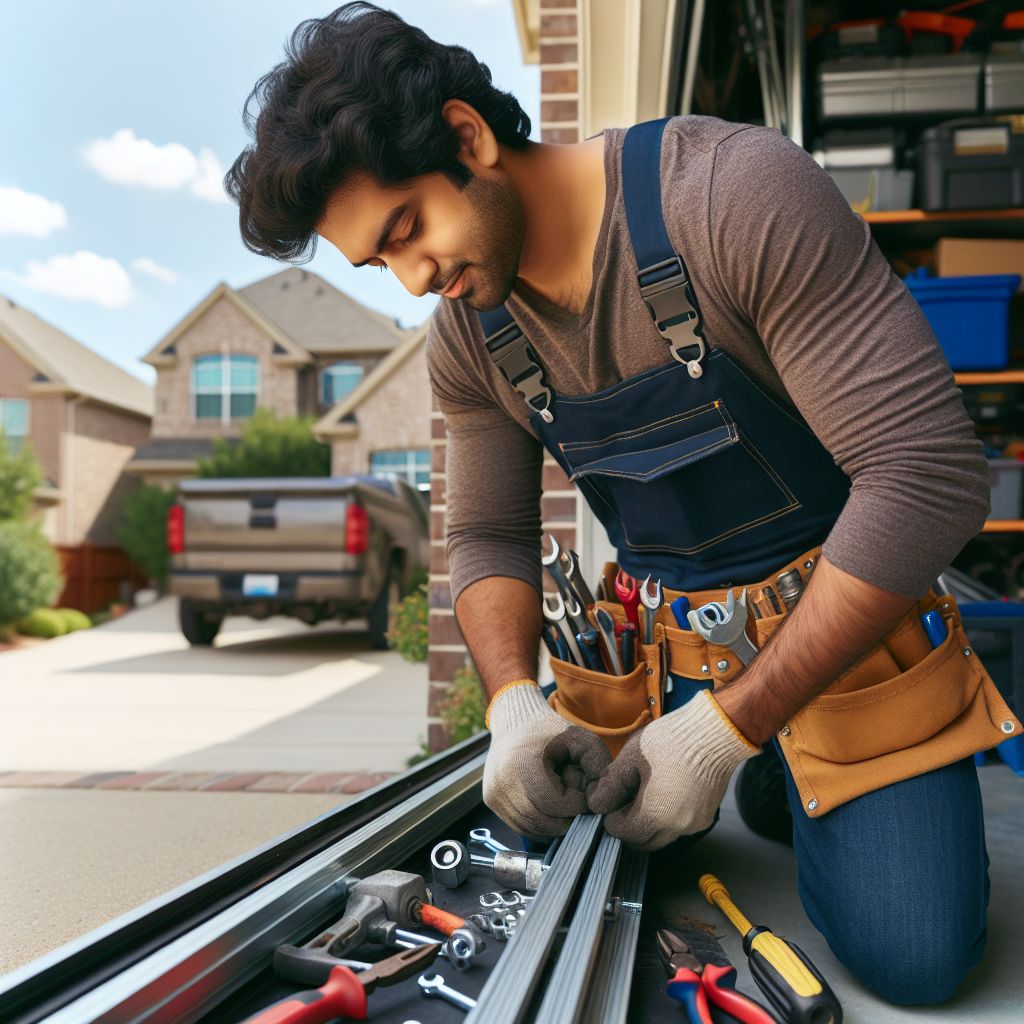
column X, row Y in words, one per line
column 663, row 278
column 513, row 355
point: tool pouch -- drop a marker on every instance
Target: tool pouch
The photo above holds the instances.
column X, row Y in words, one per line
column 610, row 706
column 903, row 709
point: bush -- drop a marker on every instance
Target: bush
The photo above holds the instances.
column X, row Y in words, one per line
column 44, row 622
column 269, row 447
column 29, row 572
column 408, row 634
column 141, row 530
column 464, row 710
column 74, row 619
column 20, row 475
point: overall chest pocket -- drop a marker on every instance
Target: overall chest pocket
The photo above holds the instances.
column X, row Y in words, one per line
column 682, row 483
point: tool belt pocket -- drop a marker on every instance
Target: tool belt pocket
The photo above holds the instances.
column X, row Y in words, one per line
column 904, row 709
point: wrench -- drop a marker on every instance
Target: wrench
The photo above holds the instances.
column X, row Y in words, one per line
column 570, row 563
column 553, row 565
column 555, row 613
column 726, row 626
column 482, row 837
column 651, row 604
column 606, row 624
column 433, row 985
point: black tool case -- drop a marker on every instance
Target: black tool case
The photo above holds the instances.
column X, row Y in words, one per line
column 203, row 952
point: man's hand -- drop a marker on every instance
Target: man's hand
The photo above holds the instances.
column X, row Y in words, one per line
column 670, row 778
column 539, row 765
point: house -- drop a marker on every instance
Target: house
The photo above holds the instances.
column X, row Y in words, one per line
column 82, row 416
column 291, row 342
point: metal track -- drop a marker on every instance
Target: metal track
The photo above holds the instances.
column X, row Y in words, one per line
column 607, row 997
column 506, row 996
column 194, row 973
column 567, row 987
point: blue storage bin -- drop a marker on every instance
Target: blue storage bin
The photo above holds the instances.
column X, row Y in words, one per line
column 970, row 316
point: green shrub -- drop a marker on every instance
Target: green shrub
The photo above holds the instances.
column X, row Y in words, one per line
column 408, row 633
column 29, row 572
column 464, row 710
column 20, row 475
column 74, row 619
column 141, row 530
column 44, row 622
column 269, row 446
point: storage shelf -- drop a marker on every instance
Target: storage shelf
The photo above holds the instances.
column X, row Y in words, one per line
column 941, row 216
column 1003, row 526
column 990, row 377
column 921, row 228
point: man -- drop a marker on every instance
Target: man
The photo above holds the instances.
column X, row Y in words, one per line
column 792, row 386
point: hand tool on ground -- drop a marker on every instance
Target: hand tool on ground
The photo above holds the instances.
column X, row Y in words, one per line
column 344, row 993
column 790, row 585
column 651, row 602
column 552, row 562
column 492, row 900
column 726, row 627
column 434, row 986
column 628, row 592
column 588, row 641
column 628, row 648
column 570, row 562
column 554, row 612
column 680, row 606
column 701, row 973
column 769, row 595
column 482, row 837
column 606, row 624
column 511, row 868
column 449, row 861
column 795, row 988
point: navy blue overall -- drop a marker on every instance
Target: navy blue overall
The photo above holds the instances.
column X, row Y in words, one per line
column 705, row 480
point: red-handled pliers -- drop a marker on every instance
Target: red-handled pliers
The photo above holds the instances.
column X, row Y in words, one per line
column 696, row 982
column 627, row 590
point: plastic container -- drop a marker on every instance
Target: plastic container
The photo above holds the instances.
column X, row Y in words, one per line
column 970, row 316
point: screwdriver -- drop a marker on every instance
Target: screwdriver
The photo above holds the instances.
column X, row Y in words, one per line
column 792, row 984
column 344, row 993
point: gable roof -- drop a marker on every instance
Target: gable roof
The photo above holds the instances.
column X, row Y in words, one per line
column 63, row 364
column 338, row 420
column 319, row 317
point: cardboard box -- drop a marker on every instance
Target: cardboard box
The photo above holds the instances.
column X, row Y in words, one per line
column 956, row 257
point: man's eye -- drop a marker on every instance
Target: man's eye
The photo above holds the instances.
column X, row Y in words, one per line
column 414, row 233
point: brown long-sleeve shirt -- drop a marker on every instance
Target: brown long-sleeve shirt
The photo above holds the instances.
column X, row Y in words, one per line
column 792, row 286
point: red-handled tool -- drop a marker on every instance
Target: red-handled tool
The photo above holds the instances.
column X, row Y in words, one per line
column 627, row 590
column 344, row 994
column 698, row 980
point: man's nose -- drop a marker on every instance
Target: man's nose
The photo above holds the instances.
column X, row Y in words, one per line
column 416, row 273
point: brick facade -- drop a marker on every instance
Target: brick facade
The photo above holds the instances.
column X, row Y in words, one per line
column 561, row 122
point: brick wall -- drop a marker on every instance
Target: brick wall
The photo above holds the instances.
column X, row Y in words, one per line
column 560, row 121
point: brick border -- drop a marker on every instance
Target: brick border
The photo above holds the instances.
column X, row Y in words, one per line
column 347, row 783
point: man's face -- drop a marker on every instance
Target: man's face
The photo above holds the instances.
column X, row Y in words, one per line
column 434, row 237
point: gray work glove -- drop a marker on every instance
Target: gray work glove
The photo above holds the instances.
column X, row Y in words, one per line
column 539, row 765
column 669, row 778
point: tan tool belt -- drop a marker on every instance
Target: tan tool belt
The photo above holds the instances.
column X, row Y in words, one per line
column 903, row 709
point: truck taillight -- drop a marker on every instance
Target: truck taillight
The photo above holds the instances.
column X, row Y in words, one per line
column 176, row 529
column 357, row 529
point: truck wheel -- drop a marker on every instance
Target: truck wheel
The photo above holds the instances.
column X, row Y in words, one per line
column 199, row 629
column 382, row 613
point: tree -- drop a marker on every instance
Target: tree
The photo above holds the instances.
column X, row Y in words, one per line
column 29, row 571
column 20, row 475
column 141, row 530
column 270, row 446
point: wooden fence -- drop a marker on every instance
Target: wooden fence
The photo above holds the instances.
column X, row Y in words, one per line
column 95, row 575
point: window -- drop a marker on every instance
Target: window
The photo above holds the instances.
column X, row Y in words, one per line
column 338, row 380
column 14, row 422
column 412, row 466
column 224, row 388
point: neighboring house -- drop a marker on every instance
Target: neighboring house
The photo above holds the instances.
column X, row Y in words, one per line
column 82, row 416
column 291, row 342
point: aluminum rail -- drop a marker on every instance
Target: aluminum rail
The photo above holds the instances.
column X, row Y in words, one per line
column 506, row 996
column 607, row 1000
column 567, row 987
column 191, row 975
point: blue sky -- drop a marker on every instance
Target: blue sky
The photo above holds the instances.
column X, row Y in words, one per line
column 101, row 101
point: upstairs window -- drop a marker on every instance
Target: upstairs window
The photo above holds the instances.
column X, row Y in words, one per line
column 339, row 380
column 225, row 388
column 411, row 465
column 14, row 423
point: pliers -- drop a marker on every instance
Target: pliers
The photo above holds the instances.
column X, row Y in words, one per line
column 627, row 590
column 696, row 980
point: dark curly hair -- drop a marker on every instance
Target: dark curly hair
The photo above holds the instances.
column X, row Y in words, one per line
column 360, row 90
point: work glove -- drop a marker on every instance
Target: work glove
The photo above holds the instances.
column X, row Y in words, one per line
column 669, row 778
column 539, row 765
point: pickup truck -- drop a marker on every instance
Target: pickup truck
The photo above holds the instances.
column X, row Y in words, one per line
column 315, row 549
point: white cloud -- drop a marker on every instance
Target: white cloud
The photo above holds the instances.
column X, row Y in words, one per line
column 82, row 275
column 147, row 266
column 125, row 159
column 25, row 213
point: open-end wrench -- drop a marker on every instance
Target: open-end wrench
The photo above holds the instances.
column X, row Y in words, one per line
column 570, row 563
column 554, row 612
column 606, row 624
column 482, row 837
column 433, row 985
column 552, row 562
column 651, row 603
column 728, row 629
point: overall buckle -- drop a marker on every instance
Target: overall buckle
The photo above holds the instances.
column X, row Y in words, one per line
column 512, row 354
column 673, row 307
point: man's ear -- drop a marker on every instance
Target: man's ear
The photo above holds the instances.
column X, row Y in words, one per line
column 478, row 144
